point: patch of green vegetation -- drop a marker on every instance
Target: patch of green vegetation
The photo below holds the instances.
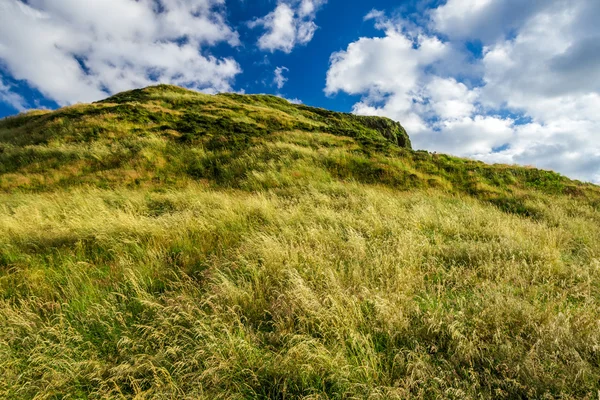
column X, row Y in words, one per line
column 164, row 243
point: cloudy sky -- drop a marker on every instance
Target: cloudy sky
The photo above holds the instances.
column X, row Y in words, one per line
column 508, row 81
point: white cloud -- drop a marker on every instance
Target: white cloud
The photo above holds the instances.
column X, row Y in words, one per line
column 549, row 72
column 290, row 24
column 308, row 8
column 390, row 72
column 469, row 136
column 374, row 14
column 79, row 51
column 281, row 29
column 484, row 19
column 11, row 98
column 536, row 98
column 451, row 100
column 279, row 80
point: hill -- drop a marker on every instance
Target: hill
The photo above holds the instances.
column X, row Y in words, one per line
column 167, row 244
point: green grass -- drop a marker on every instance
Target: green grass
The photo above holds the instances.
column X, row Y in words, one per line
column 165, row 244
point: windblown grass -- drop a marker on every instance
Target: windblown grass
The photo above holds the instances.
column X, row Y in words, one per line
column 294, row 265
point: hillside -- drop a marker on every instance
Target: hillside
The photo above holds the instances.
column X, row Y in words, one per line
column 167, row 244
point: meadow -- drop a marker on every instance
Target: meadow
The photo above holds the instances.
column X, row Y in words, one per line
column 165, row 244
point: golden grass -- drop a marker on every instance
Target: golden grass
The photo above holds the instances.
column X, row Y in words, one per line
column 338, row 291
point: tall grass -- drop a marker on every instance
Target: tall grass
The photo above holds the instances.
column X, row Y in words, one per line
column 338, row 291
column 138, row 263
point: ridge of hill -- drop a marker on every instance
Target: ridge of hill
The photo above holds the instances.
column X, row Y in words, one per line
column 169, row 135
column 164, row 243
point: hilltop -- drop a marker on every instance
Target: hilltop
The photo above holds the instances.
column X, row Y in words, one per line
column 164, row 243
column 156, row 132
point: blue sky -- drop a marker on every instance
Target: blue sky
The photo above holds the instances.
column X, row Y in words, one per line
column 507, row 81
column 307, row 64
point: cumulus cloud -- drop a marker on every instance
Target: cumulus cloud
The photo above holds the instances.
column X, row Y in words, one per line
column 392, row 74
column 535, row 100
column 73, row 51
column 484, row 19
column 279, row 80
column 290, row 24
column 549, row 73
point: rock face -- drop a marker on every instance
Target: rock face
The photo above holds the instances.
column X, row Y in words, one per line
column 390, row 129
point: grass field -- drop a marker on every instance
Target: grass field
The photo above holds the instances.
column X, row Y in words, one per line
column 166, row 244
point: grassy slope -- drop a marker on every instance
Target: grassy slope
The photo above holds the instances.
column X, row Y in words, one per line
column 169, row 244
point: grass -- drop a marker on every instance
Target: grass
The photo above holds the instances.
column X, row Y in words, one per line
column 140, row 263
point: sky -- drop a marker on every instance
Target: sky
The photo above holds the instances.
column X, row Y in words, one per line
column 503, row 81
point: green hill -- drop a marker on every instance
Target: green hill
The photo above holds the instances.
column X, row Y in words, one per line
column 167, row 244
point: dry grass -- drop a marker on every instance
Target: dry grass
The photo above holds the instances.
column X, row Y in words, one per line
column 344, row 291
